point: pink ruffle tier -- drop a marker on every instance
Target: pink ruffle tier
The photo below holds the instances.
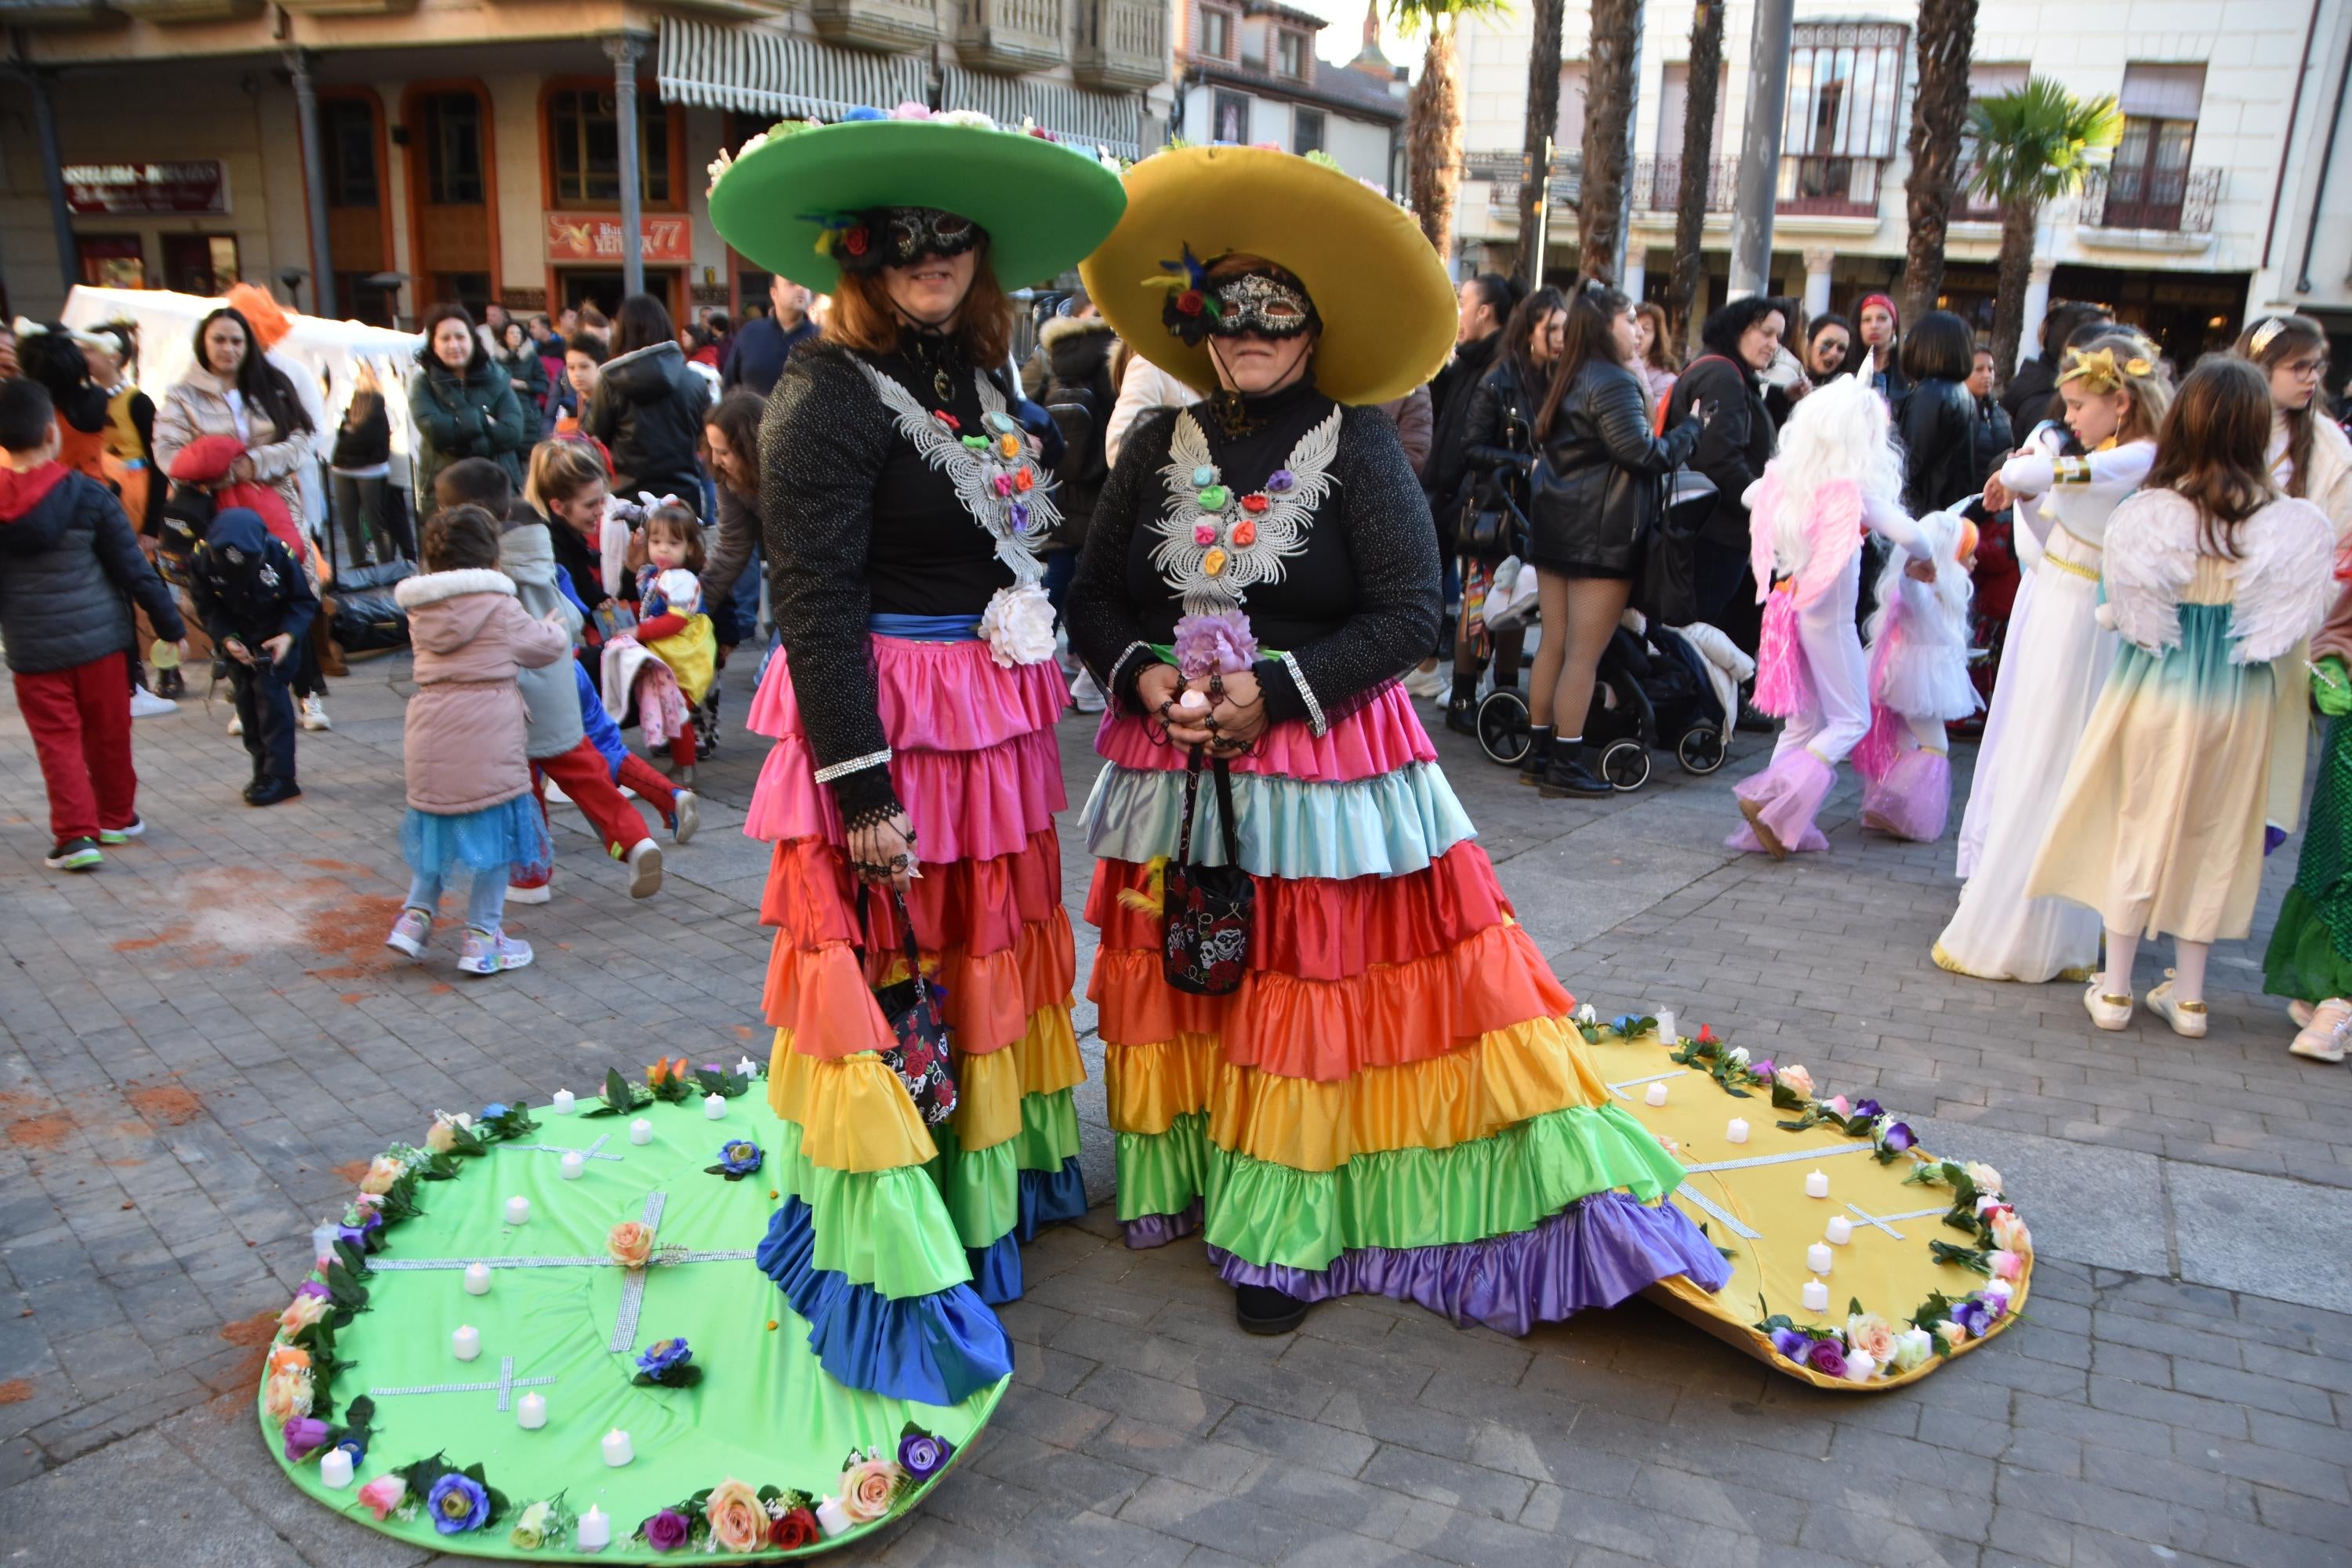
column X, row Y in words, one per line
column 938, row 697
column 1377, row 739
column 966, row 805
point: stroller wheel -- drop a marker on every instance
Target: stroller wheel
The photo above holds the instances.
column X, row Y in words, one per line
column 1503, row 726
column 1700, row 750
column 1627, row 765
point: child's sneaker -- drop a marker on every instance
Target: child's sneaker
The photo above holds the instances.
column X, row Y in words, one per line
column 685, row 817
column 536, row 892
column 411, row 931
column 489, row 951
column 145, row 704
column 2187, row 1018
column 122, row 835
column 645, row 861
column 236, row 723
column 2106, row 1012
column 314, row 714
column 2323, row 1032
column 74, row 854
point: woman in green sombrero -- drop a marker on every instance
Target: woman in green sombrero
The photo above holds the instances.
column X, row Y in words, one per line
column 915, row 774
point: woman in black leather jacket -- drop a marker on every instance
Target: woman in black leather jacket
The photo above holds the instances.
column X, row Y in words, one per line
column 1597, row 495
column 1938, row 428
column 1499, row 450
column 1742, row 339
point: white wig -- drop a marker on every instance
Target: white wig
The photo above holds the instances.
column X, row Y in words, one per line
column 1840, row 432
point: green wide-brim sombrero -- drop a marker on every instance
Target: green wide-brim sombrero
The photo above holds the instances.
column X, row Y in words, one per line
column 1044, row 204
column 1387, row 306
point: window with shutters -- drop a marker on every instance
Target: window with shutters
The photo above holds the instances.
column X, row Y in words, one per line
column 1846, row 91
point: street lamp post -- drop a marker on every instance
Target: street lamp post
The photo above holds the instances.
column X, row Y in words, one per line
column 626, row 51
column 1759, row 148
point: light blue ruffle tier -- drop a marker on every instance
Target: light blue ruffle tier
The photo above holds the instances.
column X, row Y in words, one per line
column 1385, row 827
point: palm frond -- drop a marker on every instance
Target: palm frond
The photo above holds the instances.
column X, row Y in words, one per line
column 2036, row 143
column 1410, row 14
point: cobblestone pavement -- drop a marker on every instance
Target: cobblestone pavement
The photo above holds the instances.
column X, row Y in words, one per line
column 202, row 1039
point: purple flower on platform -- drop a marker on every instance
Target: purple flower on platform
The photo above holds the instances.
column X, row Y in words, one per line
column 357, row 1235
column 1973, row 1316
column 1899, row 1136
column 664, row 1358
column 920, row 1455
column 1763, row 1070
column 1826, row 1357
column 304, row 1434
column 311, row 1287
column 1790, row 1343
column 1221, row 643
column 457, row 1503
column 1871, row 1108
column 666, row 1530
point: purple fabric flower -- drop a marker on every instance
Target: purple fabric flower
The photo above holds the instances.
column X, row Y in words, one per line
column 666, row 1530
column 357, row 1235
column 1973, row 1317
column 304, row 1434
column 1790, row 1343
column 1826, row 1357
column 312, row 1288
column 1279, row 480
column 1764, row 1069
column 664, row 1357
column 1218, row 644
column 1899, row 1136
column 1871, row 1108
column 457, row 1503
column 920, row 1455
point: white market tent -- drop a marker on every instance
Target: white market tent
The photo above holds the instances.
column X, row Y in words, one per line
column 330, row 352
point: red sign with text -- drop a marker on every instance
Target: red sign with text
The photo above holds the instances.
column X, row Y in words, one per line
column 596, row 236
column 196, row 187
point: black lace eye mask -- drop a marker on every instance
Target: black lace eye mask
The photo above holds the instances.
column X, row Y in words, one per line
column 900, row 237
column 1268, row 302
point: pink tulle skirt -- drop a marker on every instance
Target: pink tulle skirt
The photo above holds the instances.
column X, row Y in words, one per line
column 1784, row 683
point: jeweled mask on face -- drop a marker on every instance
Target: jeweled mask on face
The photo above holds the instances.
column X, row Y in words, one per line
column 1271, row 305
column 900, row 237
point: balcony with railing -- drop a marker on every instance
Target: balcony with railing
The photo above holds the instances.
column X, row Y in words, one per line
column 1011, row 35
column 1969, row 205
column 2164, row 201
column 1505, row 171
column 888, row 24
column 1658, row 185
column 1122, row 43
column 1829, row 187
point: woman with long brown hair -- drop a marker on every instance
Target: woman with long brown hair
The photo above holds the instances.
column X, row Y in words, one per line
column 2212, row 579
column 2310, row 458
column 911, row 789
column 1596, row 497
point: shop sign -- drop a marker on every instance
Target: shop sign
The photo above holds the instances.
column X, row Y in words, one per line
column 596, row 236
column 196, row 186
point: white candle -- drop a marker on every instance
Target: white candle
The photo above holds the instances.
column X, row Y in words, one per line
column 322, row 1243
column 641, row 1131
column 1817, row 1258
column 478, row 1280
column 1736, row 1132
column 1655, row 1094
column 1840, row 1229
column 595, row 1530
column 466, row 1342
column 562, row 1104
column 518, row 1211
column 616, row 1447
column 714, row 1107
column 574, row 1164
column 531, row 1412
column 1817, row 1296
column 1666, row 1028
column 1817, row 1184
column 746, row 1066
column 335, row 1467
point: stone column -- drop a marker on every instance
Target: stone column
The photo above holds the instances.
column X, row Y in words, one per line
column 626, row 51
column 2037, row 305
column 53, row 180
column 1819, row 259
column 314, row 182
column 1634, row 275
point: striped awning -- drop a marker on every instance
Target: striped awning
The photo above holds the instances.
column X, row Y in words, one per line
column 1112, row 119
column 758, row 70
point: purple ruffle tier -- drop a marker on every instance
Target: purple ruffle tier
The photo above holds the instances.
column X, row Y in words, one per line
column 1160, row 1229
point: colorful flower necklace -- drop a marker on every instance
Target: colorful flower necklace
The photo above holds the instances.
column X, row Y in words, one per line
column 1215, row 545
column 995, row 471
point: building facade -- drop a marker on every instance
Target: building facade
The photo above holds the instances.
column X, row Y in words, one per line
column 1247, row 74
column 2228, row 174
column 472, row 150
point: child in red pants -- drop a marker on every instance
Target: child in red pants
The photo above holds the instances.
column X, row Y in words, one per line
column 67, row 560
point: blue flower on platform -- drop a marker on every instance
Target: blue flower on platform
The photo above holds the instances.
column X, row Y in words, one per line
column 738, row 1158
column 457, row 1504
column 666, row 1363
column 493, row 1110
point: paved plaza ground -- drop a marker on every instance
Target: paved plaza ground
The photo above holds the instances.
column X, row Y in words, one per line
column 204, row 1042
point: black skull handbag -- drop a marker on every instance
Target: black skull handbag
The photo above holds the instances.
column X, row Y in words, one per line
column 918, row 1053
column 1206, row 947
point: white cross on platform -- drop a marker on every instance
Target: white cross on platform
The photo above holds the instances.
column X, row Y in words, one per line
column 1738, row 1228
column 505, row 1385
column 1619, row 1089
column 591, row 1152
column 1881, row 1221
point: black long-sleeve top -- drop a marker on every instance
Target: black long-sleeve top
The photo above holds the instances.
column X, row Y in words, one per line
column 856, row 523
column 1355, row 608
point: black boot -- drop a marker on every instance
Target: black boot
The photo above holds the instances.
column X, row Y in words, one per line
column 1462, row 708
column 1263, row 1310
column 1571, row 773
column 170, row 683
column 1531, row 766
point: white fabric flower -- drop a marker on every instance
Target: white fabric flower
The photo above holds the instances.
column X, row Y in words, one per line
column 1912, row 1348
column 970, row 119
column 1019, row 625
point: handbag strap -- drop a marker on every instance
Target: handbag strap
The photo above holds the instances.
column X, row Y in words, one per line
column 1225, row 812
column 1227, row 833
column 906, row 927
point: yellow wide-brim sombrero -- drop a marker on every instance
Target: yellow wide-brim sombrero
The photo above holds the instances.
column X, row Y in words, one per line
column 1386, row 304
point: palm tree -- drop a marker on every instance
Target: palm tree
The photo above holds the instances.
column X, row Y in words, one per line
column 2034, row 144
column 1609, row 88
column 1947, row 33
column 1702, row 89
column 1433, row 116
column 1543, row 125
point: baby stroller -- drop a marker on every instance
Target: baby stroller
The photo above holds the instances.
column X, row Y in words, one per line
column 1656, row 687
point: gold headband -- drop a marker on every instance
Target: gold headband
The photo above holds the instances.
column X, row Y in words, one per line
column 2098, row 369
column 2270, row 328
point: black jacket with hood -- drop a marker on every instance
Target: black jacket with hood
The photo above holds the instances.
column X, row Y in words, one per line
column 67, row 558
column 248, row 587
column 648, row 410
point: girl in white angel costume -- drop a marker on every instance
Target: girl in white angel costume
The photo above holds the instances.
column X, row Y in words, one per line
column 1919, row 638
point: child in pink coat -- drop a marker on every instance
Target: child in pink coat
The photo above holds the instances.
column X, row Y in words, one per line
column 470, row 801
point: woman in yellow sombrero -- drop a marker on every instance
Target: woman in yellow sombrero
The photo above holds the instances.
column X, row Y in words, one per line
column 1377, row 1088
